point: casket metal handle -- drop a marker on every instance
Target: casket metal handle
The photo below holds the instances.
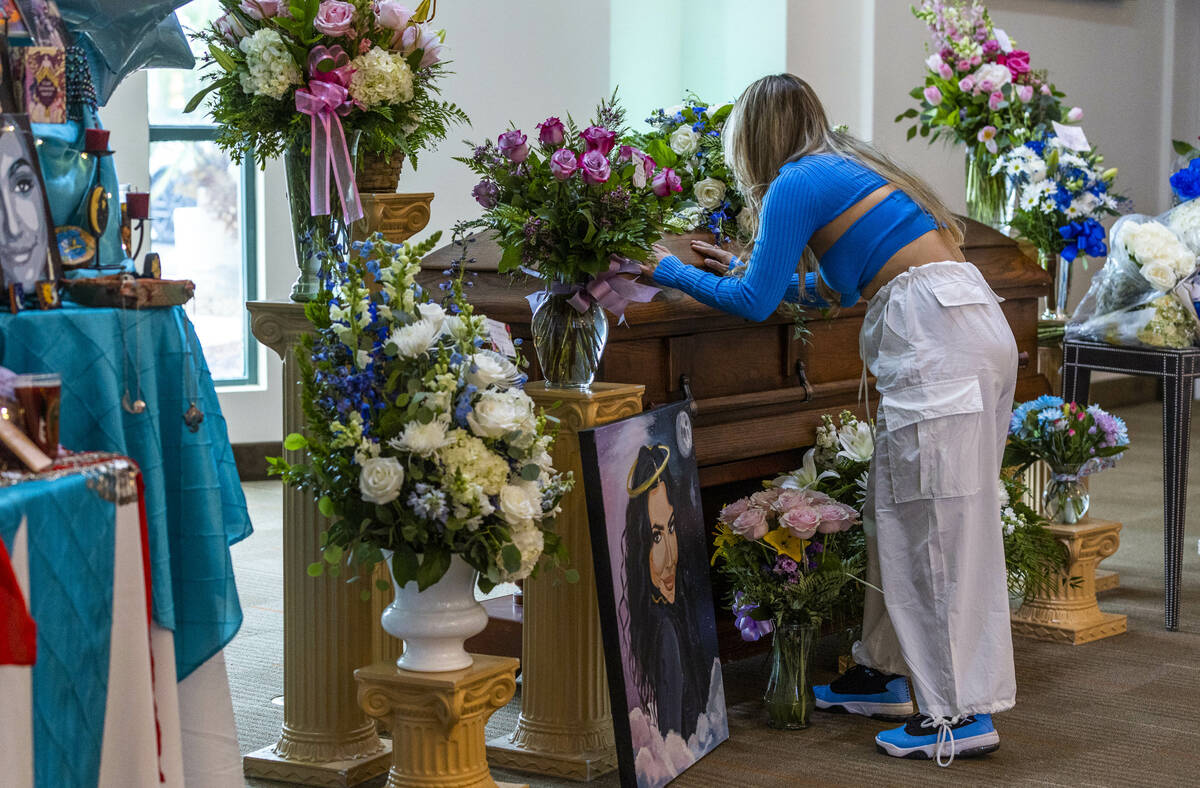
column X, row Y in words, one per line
column 808, row 392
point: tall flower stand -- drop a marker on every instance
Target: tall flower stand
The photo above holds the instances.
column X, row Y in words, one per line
column 565, row 728
column 437, row 719
column 397, row 217
column 1072, row 615
column 327, row 630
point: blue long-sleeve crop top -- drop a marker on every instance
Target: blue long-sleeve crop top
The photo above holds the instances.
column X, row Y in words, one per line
column 807, row 195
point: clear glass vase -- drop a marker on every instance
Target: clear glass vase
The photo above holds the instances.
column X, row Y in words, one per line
column 1066, row 498
column 1054, row 306
column 316, row 237
column 789, row 697
column 991, row 200
column 569, row 343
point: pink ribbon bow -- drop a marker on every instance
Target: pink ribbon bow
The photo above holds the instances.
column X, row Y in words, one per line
column 324, row 101
column 608, row 289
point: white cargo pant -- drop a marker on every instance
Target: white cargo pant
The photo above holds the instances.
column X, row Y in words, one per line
column 945, row 364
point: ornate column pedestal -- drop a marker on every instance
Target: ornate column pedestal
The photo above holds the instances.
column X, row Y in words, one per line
column 396, row 216
column 565, row 728
column 1071, row 615
column 437, row 719
column 326, row 739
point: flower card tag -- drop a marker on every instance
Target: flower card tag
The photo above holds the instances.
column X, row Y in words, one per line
column 1072, row 137
column 501, row 338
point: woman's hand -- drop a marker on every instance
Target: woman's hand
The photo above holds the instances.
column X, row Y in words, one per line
column 712, row 258
column 659, row 251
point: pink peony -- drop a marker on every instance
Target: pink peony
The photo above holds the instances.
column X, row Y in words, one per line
column 334, row 18
column 551, row 132
column 513, row 145
column 563, row 163
column 750, row 524
column 666, row 181
column 933, row 95
column 262, row 9
column 595, row 166
column 1017, row 62
column 995, row 100
column 1024, row 93
column 835, row 517
column 599, row 138
column 801, row 521
column 733, row 510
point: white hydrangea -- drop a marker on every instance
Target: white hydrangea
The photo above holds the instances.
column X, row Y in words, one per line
column 470, row 457
column 270, row 69
column 381, row 77
column 530, row 541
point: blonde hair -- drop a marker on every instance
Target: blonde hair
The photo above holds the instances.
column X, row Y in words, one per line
column 779, row 119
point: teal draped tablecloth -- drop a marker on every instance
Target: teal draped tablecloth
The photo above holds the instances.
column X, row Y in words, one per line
column 194, row 502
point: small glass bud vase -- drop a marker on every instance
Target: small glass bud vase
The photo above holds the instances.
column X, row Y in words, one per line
column 789, row 697
column 1066, row 498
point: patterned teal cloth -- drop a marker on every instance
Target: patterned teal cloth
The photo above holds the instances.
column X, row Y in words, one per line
column 194, row 501
column 71, row 541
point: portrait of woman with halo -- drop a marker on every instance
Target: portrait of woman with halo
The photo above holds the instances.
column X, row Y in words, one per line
column 27, row 251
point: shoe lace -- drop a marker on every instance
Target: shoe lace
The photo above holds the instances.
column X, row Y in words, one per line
column 945, row 735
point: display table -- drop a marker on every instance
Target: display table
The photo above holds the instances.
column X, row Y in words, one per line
column 195, row 508
column 1177, row 369
column 101, row 705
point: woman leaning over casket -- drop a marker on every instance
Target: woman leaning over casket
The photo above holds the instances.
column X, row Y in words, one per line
column 945, row 365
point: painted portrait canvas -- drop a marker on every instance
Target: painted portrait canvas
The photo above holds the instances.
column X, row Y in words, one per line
column 28, row 248
column 656, row 606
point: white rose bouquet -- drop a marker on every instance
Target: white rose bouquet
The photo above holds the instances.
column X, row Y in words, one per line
column 419, row 440
column 1141, row 296
column 374, row 64
column 687, row 138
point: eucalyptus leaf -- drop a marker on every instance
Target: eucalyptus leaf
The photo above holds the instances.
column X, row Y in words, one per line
column 531, row 472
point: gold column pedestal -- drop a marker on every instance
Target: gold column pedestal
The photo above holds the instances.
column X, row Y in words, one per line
column 397, row 217
column 1071, row 615
column 437, row 719
column 565, row 728
column 327, row 630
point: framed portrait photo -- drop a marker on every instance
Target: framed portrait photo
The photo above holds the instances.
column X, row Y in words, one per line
column 656, row 608
column 29, row 247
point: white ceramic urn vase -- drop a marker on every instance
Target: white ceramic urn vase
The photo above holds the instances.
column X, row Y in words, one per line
column 435, row 623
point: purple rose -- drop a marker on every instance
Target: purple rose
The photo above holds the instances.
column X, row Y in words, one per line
column 513, row 145
column 334, row 18
column 563, row 163
column 599, row 138
column 551, row 132
column 666, row 181
column 487, row 194
column 595, row 167
column 262, row 9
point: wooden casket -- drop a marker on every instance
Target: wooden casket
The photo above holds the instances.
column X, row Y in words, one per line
column 759, row 392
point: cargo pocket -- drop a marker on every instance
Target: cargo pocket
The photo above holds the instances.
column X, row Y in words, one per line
column 933, row 433
column 960, row 292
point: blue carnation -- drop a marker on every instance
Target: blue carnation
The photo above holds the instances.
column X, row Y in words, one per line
column 1186, row 182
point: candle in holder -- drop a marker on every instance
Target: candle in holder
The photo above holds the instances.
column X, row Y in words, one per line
column 137, row 204
column 95, row 140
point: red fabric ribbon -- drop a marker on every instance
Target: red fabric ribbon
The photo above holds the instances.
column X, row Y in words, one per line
column 608, row 289
column 324, row 102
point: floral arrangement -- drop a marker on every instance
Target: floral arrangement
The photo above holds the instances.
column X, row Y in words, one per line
column 575, row 204
column 288, row 67
column 1162, row 258
column 790, row 550
column 420, row 440
column 1065, row 435
column 1035, row 560
column 980, row 90
column 687, row 138
column 1185, row 181
column 1061, row 193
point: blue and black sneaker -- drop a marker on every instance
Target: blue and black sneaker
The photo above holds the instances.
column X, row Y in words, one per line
column 924, row 737
column 861, row 690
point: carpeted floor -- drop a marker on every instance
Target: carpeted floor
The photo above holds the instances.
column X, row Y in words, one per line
column 1120, row 712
